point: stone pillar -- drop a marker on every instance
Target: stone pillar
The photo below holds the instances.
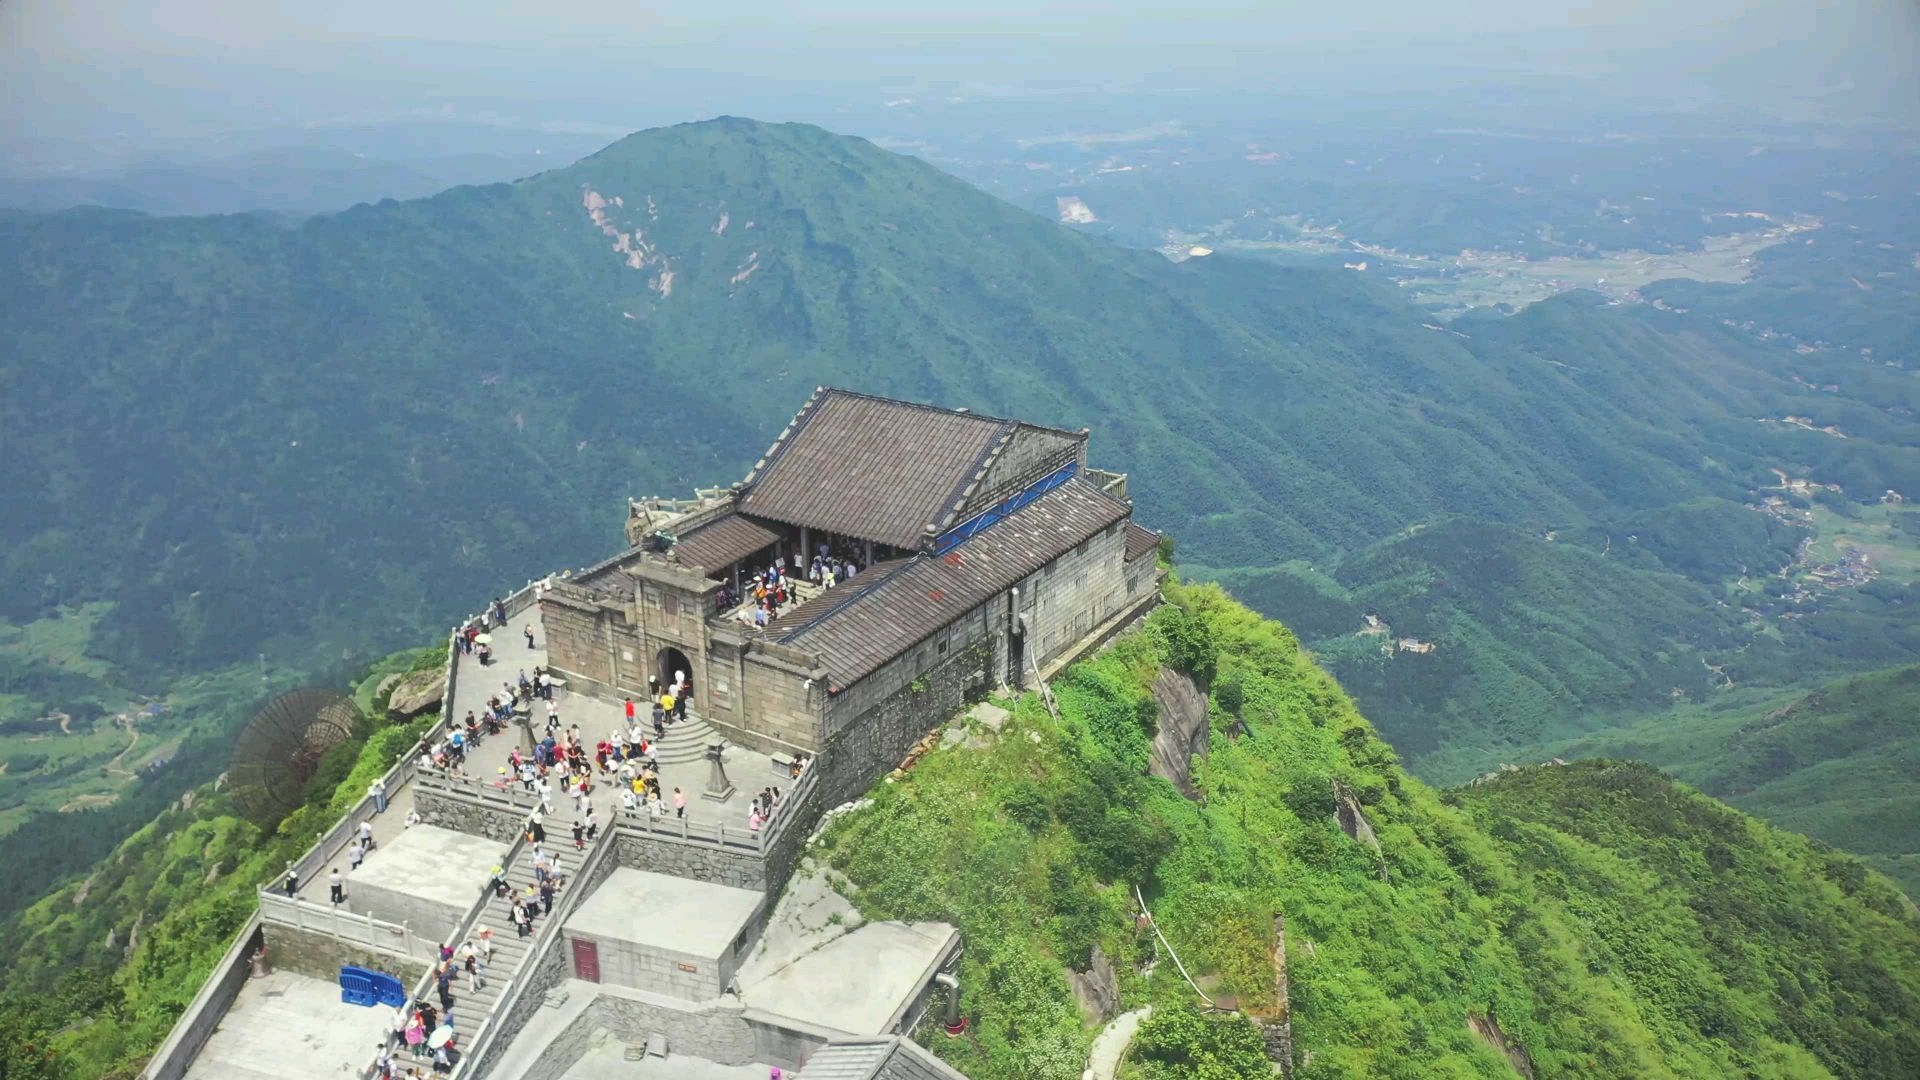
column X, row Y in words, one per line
column 719, row 788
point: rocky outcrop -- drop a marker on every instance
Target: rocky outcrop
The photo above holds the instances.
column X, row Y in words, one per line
column 1097, row 989
column 1353, row 822
column 1489, row 1031
column 417, row 693
column 1183, row 730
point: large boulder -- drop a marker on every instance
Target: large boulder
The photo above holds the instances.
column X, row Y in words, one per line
column 1097, row 989
column 417, row 693
column 1183, row 729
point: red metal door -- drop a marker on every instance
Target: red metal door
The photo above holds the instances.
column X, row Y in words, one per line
column 586, row 960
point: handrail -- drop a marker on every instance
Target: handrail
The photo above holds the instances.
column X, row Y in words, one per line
column 715, row 834
column 492, row 791
column 292, row 911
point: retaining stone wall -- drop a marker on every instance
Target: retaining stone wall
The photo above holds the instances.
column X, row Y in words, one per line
column 715, row 1030
column 719, row 866
column 320, row 956
column 471, row 817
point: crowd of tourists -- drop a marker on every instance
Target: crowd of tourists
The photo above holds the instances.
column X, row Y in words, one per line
column 773, row 589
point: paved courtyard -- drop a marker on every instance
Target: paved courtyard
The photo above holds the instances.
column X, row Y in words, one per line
column 681, row 754
column 291, row 1027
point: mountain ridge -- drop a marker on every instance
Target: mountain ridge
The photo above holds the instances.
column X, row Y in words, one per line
column 262, row 431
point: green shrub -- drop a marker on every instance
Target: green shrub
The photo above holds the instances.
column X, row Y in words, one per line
column 1181, row 1043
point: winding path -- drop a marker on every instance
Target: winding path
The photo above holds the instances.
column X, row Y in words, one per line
column 1111, row 1044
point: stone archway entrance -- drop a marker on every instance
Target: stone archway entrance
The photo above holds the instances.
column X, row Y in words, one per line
column 669, row 660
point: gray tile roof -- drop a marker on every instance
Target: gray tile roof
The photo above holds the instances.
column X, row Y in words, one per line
column 1140, row 540
column 847, row 1060
column 909, row 599
column 885, row 1058
column 718, row 543
column 872, row 468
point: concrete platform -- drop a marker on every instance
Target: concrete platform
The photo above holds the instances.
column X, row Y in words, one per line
column 291, row 1027
column 426, row 877
column 859, row 983
column 597, row 719
column 667, row 934
column 667, row 912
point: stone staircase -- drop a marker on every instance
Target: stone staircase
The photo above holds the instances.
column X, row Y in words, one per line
column 686, row 741
column 510, row 950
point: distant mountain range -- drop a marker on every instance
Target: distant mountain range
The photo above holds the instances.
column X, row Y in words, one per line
column 317, row 439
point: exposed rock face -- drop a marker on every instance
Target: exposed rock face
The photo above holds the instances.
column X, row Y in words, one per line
column 1353, row 822
column 388, row 683
column 1183, row 729
column 1489, row 1030
column 1097, row 989
column 417, row 693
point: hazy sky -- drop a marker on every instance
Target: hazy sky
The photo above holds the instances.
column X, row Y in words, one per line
column 120, row 74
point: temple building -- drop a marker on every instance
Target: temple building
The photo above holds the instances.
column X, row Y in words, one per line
column 983, row 550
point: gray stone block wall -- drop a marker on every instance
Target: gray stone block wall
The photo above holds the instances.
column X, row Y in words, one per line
column 875, row 742
column 779, row 706
column 427, row 919
column 576, row 644
column 660, row 971
column 701, row 862
column 470, row 816
column 1075, row 593
column 777, row 1044
column 320, row 956
column 715, row 1030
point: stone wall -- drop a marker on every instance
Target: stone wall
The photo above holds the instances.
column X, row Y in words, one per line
column 474, row 817
column 715, row 1030
column 780, row 1042
column 321, row 956
column 674, row 973
column 780, row 712
column 877, row 740
column 576, row 642
column 428, row 919
column 1066, row 599
column 736, row 867
column 852, row 704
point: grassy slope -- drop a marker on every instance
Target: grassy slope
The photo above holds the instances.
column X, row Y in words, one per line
column 1031, row 846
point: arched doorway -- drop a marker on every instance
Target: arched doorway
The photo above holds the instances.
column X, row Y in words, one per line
column 668, row 661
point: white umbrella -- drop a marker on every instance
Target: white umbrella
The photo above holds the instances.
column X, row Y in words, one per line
column 442, row 1035
column 483, row 639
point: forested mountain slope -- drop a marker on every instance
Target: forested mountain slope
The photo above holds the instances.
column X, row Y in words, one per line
column 307, row 441
column 1835, row 763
